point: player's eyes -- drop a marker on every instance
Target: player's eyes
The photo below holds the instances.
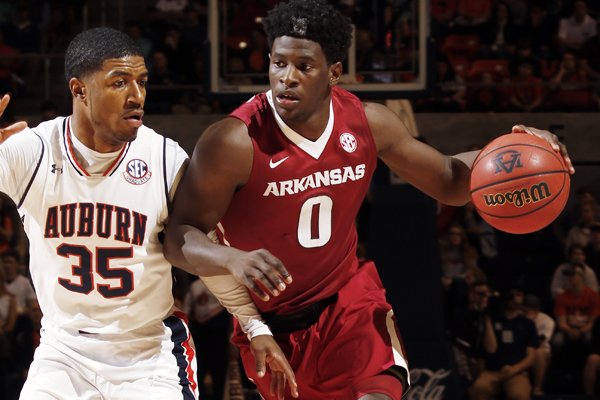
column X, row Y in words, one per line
column 119, row 83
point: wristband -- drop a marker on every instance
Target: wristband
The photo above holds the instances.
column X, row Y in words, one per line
column 256, row 327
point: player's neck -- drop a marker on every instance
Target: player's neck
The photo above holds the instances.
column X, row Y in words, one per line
column 84, row 131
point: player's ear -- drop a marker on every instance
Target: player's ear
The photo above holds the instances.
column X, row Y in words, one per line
column 77, row 88
column 335, row 72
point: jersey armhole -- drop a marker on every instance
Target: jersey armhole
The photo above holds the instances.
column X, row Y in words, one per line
column 37, row 167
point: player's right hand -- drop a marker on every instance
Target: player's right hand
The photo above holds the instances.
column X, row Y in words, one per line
column 267, row 352
column 261, row 272
column 5, row 133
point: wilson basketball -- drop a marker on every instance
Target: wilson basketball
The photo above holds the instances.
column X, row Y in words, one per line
column 519, row 184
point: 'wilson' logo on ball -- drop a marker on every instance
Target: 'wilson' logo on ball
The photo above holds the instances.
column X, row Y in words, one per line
column 507, row 161
column 520, row 197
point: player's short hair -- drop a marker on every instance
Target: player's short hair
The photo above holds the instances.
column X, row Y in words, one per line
column 315, row 20
column 89, row 49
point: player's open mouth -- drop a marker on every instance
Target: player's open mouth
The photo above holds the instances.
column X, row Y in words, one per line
column 287, row 99
column 135, row 118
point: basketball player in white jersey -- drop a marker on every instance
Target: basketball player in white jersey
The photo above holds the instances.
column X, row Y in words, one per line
column 93, row 190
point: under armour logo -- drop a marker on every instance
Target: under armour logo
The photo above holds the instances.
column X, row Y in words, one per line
column 507, row 160
column 55, row 168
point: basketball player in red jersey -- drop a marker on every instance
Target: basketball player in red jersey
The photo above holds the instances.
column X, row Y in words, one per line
column 280, row 181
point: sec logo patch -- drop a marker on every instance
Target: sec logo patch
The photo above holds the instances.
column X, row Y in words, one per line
column 348, row 142
column 137, row 172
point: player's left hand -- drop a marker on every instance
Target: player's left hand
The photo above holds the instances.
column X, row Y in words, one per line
column 267, row 351
column 551, row 138
column 8, row 131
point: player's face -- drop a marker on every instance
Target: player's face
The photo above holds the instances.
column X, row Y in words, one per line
column 115, row 99
column 300, row 79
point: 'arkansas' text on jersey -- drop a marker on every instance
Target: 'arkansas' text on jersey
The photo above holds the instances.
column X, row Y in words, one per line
column 318, row 179
column 85, row 219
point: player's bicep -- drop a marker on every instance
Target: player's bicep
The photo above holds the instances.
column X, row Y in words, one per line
column 400, row 151
column 220, row 163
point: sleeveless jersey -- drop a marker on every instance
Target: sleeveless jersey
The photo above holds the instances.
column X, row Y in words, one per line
column 95, row 258
column 302, row 197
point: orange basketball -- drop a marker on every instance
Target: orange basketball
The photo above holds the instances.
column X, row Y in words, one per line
column 519, row 184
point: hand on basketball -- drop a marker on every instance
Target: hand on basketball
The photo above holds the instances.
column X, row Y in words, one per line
column 551, row 138
column 259, row 270
column 5, row 133
column 267, row 352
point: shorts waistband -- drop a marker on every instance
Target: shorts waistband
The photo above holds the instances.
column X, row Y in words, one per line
column 301, row 319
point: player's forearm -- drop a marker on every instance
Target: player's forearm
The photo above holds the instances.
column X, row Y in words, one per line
column 234, row 297
column 193, row 251
column 460, row 168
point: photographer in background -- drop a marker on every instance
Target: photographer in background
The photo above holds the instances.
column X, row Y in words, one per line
column 506, row 369
column 544, row 325
column 472, row 332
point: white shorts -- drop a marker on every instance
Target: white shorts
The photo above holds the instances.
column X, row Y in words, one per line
column 87, row 366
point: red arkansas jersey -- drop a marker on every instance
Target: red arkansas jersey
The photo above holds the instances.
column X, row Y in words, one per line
column 302, row 197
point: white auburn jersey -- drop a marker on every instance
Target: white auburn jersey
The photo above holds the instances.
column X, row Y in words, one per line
column 96, row 261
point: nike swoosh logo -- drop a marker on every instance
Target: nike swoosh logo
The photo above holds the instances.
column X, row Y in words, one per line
column 276, row 164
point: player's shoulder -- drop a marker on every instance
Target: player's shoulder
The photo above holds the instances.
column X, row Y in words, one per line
column 49, row 127
column 150, row 138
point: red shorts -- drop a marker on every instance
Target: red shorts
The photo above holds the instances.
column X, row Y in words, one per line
column 355, row 338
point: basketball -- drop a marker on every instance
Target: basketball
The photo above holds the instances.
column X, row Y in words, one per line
column 519, row 184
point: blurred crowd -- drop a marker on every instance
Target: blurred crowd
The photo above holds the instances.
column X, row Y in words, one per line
column 490, row 55
column 522, row 311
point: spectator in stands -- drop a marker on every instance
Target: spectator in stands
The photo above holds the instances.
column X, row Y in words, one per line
column 449, row 92
column 11, row 229
column 570, row 90
column 576, row 257
column 48, row 110
column 540, row 29
column 524, row 52
column 484, row 93
column 8, row 311
column 480, row 233
column 8, row 65
column 590, row 54
column 16, row 283
column 526, row 91
column 161, row 76
column 25, row 36
column 499, row 34
column 57, row 32
column 544, row 325
column 506, row 370
column 135, row 30
column 571, row 216
column 574, row 30
column 519, row 11
column 575, row 311
column 209, row 326
column 580, row 233
column 471, row 15
column 8, row 316
column 442, row 14
column 471, row 330
column 457, row 255
column 592, row 250
column 591, row 368
column 26, row 338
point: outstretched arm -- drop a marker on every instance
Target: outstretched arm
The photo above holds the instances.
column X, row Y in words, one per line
column 221, row 164
column 443, row 177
